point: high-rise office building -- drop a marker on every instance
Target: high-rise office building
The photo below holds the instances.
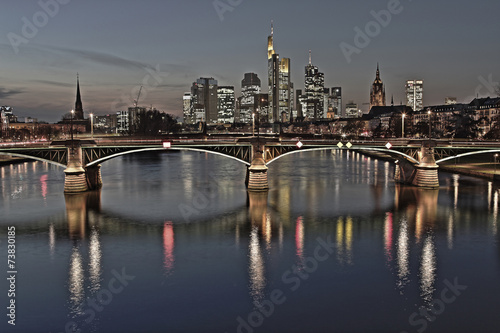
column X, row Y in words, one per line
column 377, row 91
column 250, row 87
column 204, row 96
column 279, row 74
column 187, row 109
column 414, row 94
column 225, row 104
column 336, row 101
column 314, row 89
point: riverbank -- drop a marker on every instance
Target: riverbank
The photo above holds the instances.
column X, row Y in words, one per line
column 7, row 160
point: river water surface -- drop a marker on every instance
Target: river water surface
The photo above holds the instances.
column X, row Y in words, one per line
column 173, row 243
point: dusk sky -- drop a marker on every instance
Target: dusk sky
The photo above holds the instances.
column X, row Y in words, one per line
column 116, row 45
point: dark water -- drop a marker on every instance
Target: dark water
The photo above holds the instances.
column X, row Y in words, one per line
column 173, row 243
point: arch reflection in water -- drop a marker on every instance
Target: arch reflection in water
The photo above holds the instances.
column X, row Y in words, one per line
column 168, row 247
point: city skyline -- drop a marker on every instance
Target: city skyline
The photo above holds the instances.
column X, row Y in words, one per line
column 175, row 43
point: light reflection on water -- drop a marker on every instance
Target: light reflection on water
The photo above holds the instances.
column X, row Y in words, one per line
column 371, row 221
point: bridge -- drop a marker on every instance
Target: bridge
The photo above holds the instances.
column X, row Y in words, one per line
column 416, row 160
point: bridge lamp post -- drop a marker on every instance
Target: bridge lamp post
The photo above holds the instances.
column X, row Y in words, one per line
column 403, row 125
column 92, row 125
column 496, row 157
column 429, row 113
column 71, row 126
column 253, row 124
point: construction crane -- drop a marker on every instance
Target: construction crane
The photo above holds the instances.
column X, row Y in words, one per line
column 138, row 96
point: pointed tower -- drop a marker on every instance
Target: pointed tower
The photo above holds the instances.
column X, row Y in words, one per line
column 377, row 92
column 78, row 103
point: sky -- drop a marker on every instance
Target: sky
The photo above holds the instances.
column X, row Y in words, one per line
column 165, row 45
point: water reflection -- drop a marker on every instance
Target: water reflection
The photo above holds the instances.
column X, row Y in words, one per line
column 403, row 254
column 299, row 241
column 82, row 216
column 76, row 283
column 428, row 269
column 344, row 240
column 259, row 221
column 168, row 247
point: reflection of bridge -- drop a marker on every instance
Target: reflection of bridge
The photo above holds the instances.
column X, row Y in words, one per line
column 416, row 160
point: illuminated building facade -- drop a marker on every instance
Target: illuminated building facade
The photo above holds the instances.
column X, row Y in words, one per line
column 314, row 90
column 225, row 104
column 187, row 109
column 250, row 88
column 414, row 94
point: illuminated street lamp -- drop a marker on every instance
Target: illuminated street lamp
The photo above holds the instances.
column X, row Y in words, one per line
column 496, row 157
column 71, row 127
column 92, row 125
column 429, row 113
column 253, row 124
column 403, row 125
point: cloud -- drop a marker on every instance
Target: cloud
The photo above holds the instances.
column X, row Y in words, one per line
column 6, row 93
column 51, row 83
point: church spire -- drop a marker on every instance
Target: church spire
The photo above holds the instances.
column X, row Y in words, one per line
column 392, row 100
column 78, row 103
column 378, row 73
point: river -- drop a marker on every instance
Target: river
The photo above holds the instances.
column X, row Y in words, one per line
column 174, row 243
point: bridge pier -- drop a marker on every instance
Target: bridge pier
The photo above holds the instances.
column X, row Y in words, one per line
column 257, row 174
column 94, row 179
column 427, row 171
column 75, row 180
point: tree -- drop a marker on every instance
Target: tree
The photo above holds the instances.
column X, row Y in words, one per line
column 354, row 127
column 465, row 126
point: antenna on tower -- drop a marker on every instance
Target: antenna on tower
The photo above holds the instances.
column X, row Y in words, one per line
column 272, row 27
column 310, row 57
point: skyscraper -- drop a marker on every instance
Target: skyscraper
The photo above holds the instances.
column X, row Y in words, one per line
column 279, row 73
column 187, row 109
column 250, row 87
column 414, row 94
column 204, row 96
column 377, row 91
column 225, row 104
column 314, row 89
column 336, row 101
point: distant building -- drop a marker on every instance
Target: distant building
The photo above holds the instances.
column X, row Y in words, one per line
column 377, row 91
column 450, row 100
column 250, row 87
column 204, row 96
column 314, row 89
column 352, row 110
column 414, row 94
column 225, row 104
